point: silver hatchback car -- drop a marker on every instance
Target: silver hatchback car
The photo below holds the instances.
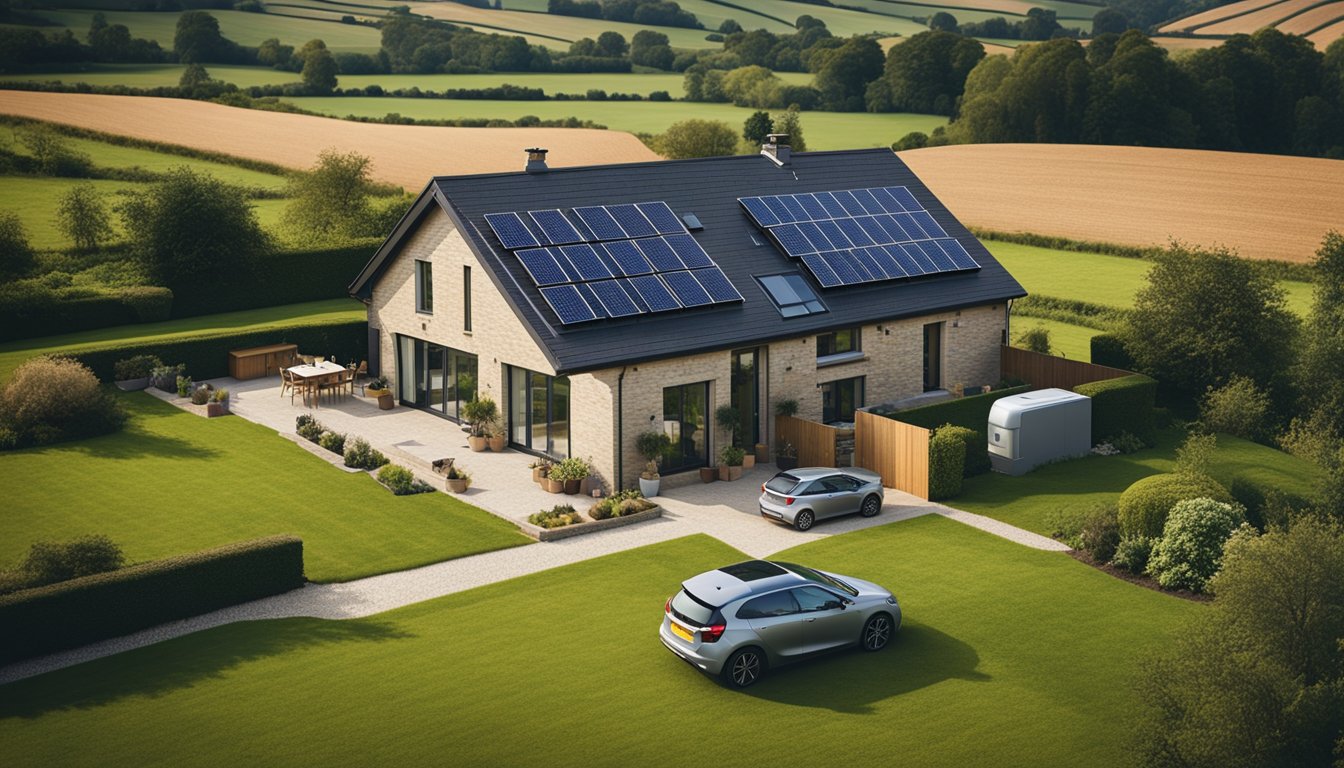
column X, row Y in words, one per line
column 740, row 620
column 801, row 497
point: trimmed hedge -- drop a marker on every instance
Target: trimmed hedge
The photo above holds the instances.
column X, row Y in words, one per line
column 72, row 613
column 1122, row 405
column 284, row 277
column 47, row 314
column 1109, row 349
column 970, row 412
column 1260, row 497
column 947, row 462
column 207, row 357
column 1143, row 506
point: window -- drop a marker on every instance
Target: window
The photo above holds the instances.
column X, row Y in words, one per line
column 433, row 377
column 815, row 599
column 837, row 343
column 685, row 422
column 792, row 295
column 840, row 398
column 466, row 299
column 840, row 483
column 424, row 287
column 767, row 606
column 539, row 412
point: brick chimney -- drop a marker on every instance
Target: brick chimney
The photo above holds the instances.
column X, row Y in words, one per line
column 776, row 148
column 536, row 160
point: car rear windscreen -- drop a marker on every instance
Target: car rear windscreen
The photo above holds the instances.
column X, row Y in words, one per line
column 782, row 483
column 691, row 609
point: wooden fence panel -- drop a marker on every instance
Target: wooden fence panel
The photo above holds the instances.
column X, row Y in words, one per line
column 896, row 450
column 815, row 442
column 1043, row 371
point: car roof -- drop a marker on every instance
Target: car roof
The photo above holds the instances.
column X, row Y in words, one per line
column 734, row 582
column 812, row 473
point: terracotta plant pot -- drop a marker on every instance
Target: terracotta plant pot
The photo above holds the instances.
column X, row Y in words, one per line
column 762, row 453
column 748, row 461
column 386, row 401
column 553, row 486
column 572, row 486
column 498, row 443
column 456, row 486
column 476, row 443
column 708, row 474
column 727, row 472
column 216, row 409
column 536, row 475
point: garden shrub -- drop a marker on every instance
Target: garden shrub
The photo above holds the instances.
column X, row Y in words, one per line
column 620, row 504
column 309, row 428
column 201, row 395
column 1099, row 533
column 49, row 399
column 135, row 367
column 184, row 384
column 401, row 481
column 49, row 562
column 556, row 517
column 1144, row 506
column 1132, row 553
column 1109, row 349
column 1265, row 503
column 1191, row 548
column 970, row 412
column 1122, row 405
column 1237, row 408
column 164, row 377
column 977, row 448
column 332, row 441
column 947, row 460
column 92, row 608
column 360, row 455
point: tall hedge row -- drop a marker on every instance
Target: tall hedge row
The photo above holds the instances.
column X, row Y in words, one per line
column 947, row 462
column 1109, row 349
column 285, row 277
column 207, row 357
column 1120, row 405
column 48, row 619
column 46, row 313
column 970, row 412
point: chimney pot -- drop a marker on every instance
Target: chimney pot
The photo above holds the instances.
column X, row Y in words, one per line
column 536, row 160
column 777, row 148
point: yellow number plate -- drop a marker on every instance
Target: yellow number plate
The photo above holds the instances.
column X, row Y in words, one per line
column 682, row 632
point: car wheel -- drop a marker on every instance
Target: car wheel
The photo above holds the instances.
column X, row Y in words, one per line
column 744, row 667
column 871, row 506
column 876, row 632
column 804, row 520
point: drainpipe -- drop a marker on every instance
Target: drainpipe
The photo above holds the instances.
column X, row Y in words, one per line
column 620, row 431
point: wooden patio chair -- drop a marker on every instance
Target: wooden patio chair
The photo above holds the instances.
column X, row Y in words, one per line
column 329, row 385
column 348, row 381
column 287, row 382
column 307, row 359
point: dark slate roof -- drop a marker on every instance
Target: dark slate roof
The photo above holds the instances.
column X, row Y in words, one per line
column 709, row 188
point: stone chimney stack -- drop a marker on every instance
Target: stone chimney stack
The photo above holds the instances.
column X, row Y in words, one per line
column 536, row 160
column 776, row 148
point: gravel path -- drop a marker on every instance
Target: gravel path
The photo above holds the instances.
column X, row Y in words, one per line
column 725, row 511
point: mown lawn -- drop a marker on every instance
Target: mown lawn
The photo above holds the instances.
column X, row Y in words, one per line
column 13, row 353
column 241, row 27
column 173, row 482
column 824, row 130
column 1030, row 501
column 1066, row 339
column 1007, row 652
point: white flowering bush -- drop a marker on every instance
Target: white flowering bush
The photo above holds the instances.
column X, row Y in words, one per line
column 1190, row 551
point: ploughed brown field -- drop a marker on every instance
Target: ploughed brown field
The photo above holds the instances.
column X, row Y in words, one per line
column 1322, row 23
column 1264, row 206
column 407, row 155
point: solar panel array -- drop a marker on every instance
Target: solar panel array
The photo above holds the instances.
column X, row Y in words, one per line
column 612, row 261
column 848, row 237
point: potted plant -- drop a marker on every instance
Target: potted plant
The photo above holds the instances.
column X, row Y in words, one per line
column 219, row 403
column 551, row 483
column 708, row 474
column 571, row 473
column 729, row 418
column 498, row 436
column 184, row 386
column 477, row 413
column 539, row 469
column 731, row 467
column 653, row 446
column 377, row 387
column 762, row 452
column 133, row 373
column 164, row 377
column 786, row 407
column 786, row 456
column 456, row 479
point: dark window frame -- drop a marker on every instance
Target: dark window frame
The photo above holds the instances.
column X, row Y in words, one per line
column 424, row 287
column 828, row 345
column 466, row 298
column 830, row 413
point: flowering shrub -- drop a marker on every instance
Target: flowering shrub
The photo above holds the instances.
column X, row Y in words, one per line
column 1190, row 551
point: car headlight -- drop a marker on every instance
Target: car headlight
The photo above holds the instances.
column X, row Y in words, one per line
column 891, row 600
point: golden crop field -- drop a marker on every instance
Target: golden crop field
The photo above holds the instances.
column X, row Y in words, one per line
column 1265, row 17
column 402, row 154
column 1214, row 14
column 1322, row 23
column 1311, row 19
column 1264, row 206
column 1327, row 35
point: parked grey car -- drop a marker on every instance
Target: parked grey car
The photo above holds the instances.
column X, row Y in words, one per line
column 801, row 497
column 740, row 620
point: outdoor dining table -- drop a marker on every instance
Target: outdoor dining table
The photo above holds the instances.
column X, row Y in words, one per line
column 313, row 374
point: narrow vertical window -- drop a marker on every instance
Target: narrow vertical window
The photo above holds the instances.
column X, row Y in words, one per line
column 424, row 287
column 466, row 299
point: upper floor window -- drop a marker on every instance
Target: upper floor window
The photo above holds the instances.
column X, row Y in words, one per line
column 466, row 299
column 424, row 287
column 838, row 343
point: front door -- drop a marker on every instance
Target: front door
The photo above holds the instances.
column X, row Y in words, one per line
column 685, row 421
column 746, row 396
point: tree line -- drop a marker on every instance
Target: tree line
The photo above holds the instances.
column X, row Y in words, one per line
column 654, row 13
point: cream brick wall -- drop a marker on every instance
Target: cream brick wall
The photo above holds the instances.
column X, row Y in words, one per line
column 892, row 363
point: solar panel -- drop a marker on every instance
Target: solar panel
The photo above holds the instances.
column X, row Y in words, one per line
column 687, row 289
column 662, row 218
column 690, row 252
column 717, row 284
column 511, row 231
column 759, row 211
column 614, row 299
column 860, row 266
column 791, row 239
column 602, row 224
column 586, row 262
column 874, row 230
column 958, row 254
column 843, row 269
column 850, row 205
column 631, row 220
column 832, row 206
column 855, row 232
column 542, row 266
column 820, row 242
column 887, row 201
column 907, row 262
column 906, row 199
column 568, row 304
column 795, row 208
column 590, row 299
column 660, row 254
column 627, row 257
column 920, row 258
column 892, row 224
column 822, row 271
column 927, row 224
column 654, row 293
column 876, row 270
column 554, row 224
column 869, row 203
column 778, row 209
column 882, row 254
column 834, row 233
column 940, row 259
column 812, row 206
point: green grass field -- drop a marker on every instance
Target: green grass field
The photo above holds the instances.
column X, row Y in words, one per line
column 13, row 353
column 157, row 75
column 566, row 28
column 1030, row 501
column 824, row 130
column 239, row 26
column 172, row 482
column 1066, row 339
column 1005, row 651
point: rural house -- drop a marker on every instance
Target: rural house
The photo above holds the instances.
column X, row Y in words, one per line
column 597, row 303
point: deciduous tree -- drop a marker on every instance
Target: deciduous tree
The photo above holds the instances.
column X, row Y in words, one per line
column 84, row 217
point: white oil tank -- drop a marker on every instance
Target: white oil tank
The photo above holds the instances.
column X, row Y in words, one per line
column 1035, row 428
